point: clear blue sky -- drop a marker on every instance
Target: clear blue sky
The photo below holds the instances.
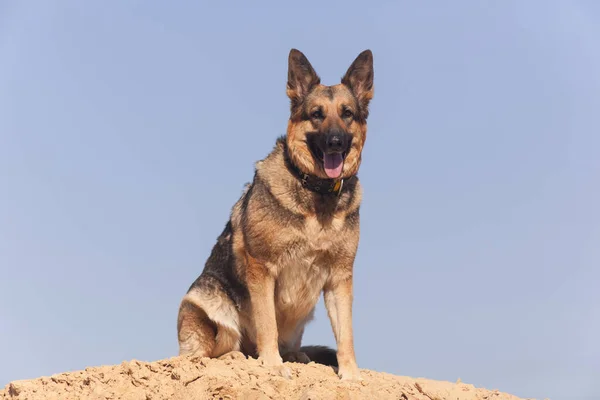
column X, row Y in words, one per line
column 128, row 129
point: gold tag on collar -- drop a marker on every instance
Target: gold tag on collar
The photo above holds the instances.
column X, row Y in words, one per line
column 338, row 185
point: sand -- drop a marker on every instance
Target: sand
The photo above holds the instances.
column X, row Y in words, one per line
column 234, row 377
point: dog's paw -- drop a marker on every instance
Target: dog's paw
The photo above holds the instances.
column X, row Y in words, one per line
column 233, row 355
column 276, row 364
column 297, row 357
column 283, row 371
column 351, row 374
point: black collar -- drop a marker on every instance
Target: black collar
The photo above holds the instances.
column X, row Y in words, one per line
column 316, row 184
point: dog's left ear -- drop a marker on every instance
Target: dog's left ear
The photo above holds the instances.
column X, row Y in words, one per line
column 359, row 78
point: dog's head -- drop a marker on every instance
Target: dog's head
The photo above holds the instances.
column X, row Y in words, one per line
column 327, row 128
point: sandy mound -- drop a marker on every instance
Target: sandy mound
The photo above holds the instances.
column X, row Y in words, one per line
column 233, row 378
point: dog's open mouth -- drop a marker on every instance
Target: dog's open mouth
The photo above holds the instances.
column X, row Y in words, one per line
column 331, row 161
column 333, row 164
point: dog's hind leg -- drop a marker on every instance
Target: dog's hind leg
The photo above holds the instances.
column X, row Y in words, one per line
column 305, row 354
column 290, row 352
column 207, row 325
column 195, row 331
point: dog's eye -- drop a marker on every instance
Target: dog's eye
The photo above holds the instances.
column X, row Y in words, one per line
column 318, row 114
column 347, row 114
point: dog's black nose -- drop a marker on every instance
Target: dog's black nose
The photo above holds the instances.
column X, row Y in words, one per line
column 336, row 142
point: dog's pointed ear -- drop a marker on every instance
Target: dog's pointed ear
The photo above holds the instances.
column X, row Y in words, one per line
column 359, row 79
column 302, row 77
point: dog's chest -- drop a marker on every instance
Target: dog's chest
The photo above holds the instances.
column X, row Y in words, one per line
column 304, row 268
column 316, row 237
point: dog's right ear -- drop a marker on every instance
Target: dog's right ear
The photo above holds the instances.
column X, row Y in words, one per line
column 302, row 78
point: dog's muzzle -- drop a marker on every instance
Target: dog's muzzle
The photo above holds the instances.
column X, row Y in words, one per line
column 336, row 142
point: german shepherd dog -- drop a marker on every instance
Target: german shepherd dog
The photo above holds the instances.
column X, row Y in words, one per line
column 293, row 234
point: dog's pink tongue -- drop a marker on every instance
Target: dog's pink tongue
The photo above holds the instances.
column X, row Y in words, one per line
column 333, row 164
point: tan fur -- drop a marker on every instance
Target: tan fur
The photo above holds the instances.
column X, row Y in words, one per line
column 288, row 244
column 339, row 307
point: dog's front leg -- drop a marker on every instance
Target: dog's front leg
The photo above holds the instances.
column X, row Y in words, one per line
column 338, row 302
column 261, row 285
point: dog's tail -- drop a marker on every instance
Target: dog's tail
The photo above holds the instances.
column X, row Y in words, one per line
column 321, row 355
